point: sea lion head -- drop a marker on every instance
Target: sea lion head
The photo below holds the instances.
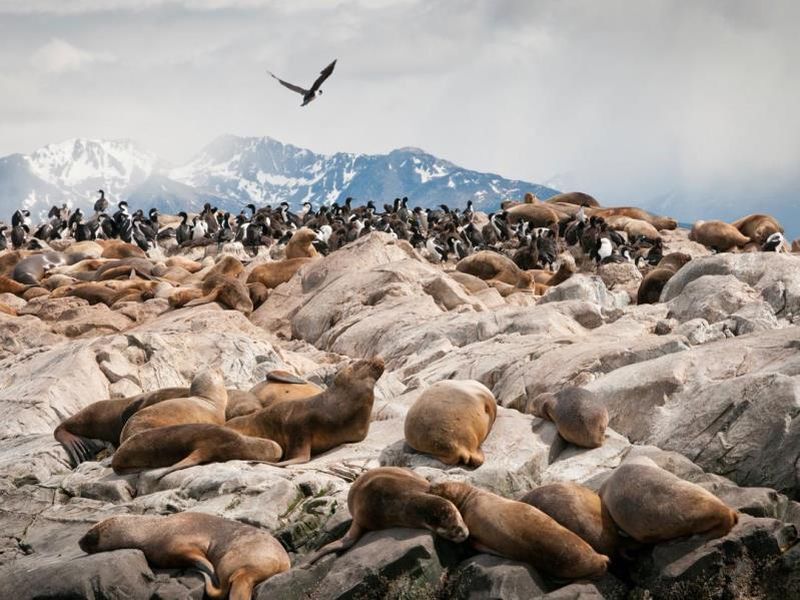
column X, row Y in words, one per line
column 444, row 520
column 367, row 371
column 304, row 235
column 105, row 535
column 542, row 405
column 208, row 384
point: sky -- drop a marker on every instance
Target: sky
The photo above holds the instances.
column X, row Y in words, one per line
column 686, row 106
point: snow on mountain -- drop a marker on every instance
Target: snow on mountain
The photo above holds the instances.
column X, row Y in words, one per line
column 233, row 171
column 263, row 170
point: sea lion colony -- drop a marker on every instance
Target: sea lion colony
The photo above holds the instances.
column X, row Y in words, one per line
column 567, row 532
column 527, row 246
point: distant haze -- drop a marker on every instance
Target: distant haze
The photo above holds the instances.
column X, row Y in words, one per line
column 689, row 108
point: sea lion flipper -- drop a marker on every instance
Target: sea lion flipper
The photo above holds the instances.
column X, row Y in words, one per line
column 350, row 538
column 202, row 564
column 210, row 297
column 280, row 376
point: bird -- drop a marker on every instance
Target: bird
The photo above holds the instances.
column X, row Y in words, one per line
column 310, row 94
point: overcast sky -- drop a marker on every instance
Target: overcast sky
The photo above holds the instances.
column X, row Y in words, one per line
column 632, row 101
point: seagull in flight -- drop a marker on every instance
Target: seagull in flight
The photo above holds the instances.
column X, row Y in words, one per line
column 308, row 95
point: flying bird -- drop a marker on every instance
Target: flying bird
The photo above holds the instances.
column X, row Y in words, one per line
column 308, row 95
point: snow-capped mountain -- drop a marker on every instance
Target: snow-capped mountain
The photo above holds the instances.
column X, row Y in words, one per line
column 264, row 171
column 234, row 171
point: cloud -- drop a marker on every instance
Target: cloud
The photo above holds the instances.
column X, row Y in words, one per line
column 58, row 56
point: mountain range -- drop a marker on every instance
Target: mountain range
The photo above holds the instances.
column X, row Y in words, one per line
column 234, row 171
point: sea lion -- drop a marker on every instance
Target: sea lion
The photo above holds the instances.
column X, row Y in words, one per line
column 104, row 420
column 182, row 446
column 87, row 248
column 205, row 404
column 637, row 213
column 538, row 215
column 653, row 283
column 521, row 532
column 652, row 505
column 280, row 386
column 184, row 263
column 633, row 228
column 469, row 282
column 717, row 235
column 258, row 293
column 388, row 497
column 272, row 274
column 300, row 244
column 227, row 291
column 488, row 265
column 306, row 427
column 9, row 286
column 35, row 291
column 580, row 510
column 450, row 420
column 120, row 249
column 579, row 417
column 758, row 227
column 233, row 557
column 9, row 259
column 575, row 198
column 31, row 269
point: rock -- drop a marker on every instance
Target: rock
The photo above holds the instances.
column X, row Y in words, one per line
column 92, row 320
column 486, row 576
column 51, row 309
column 774, row 276
column 117, row 575
column 748, row 558
column 12, row 301
column 713, row 298
column 588, row 288
column 621, row 276
column 729, row 406
column 698, row 331
column 18, row 334
column 396, row 563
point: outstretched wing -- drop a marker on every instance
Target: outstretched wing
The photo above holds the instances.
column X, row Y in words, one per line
column 291, row 86
column 323, row 75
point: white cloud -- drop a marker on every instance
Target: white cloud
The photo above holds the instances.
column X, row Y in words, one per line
column 58, row 56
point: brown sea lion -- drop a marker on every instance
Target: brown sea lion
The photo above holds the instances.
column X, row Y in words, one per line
column 120, row 249
column 388, row 497
column 579, row 417
column 339, row 415
column 9, row 286
column 184, row 263
column 227, row 291
column 487, row 265
column 9, row 259
column 227, row 265
column 280, row 386
column 580, row 510
column 521, row 532
column 272, row 274
column 652, row 505
column 758, row 227
column 653, row 283
column 469, row 282
column 258, row 293
column 538, row 215
column 35, row 291
column 300, row 245
column 88, row 248
column 233, row 557
column 575, row 198
column 205, row 404
column 182, row 446
column 450, row 420
column 717, row 235
column 104, row 420
column 637, row 213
